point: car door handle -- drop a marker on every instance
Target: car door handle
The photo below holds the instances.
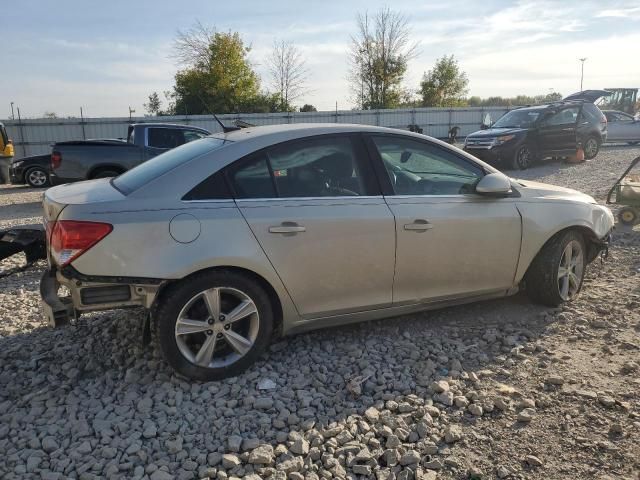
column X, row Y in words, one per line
column 418, row 226
column 287, row 227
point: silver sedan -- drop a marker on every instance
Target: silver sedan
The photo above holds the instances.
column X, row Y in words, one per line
column 622, row 127
column 241, row 237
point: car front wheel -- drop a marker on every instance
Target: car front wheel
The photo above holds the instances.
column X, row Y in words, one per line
column 213, row 325
column 523, row 158
column 36, row 177
column 557, row 273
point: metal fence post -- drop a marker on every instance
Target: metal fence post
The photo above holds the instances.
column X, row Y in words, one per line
column 24, row 147
column 84, row 136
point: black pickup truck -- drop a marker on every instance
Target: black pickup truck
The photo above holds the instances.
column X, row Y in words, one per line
column 87, row 159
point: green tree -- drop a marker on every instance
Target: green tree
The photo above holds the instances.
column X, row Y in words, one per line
column 379, row 54
column 445, row 85
column 154, row 104
column 308, row 108
column 218, row 77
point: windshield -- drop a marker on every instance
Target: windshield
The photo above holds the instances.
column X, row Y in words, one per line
column 151, row 169
column 517, row 119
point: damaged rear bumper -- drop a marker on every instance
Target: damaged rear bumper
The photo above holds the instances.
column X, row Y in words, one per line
column 87, row 293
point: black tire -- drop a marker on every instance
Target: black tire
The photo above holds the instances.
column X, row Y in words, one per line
column 628, row 216
column 523, row 157
column 179, row 296
column 36, row 177
column 106, row 174
column 542, row 278
column 591, row 148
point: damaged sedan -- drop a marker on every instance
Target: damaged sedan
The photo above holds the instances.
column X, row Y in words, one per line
column 243, row 236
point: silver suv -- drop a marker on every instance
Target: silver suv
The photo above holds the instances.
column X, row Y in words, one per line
column 268, row 231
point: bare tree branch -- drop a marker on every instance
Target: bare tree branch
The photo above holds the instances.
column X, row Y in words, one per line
column 379, row 54
column 191, row 47
column 287, row 72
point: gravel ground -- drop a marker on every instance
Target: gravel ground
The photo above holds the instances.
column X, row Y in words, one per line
column 501, row 389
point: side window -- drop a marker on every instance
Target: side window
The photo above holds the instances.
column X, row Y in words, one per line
column 191, row 135
column 565, row 116
column 419, row 168
column 252, row 178
column 164, row 138
column 318, row 167
column 213, row 188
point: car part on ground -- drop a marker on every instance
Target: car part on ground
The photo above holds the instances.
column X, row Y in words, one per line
column 528, row 134
column 238, row 213
column 626, row 192
column 27, row 239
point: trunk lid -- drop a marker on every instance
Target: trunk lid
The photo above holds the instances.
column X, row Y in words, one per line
column 91, row 191
column 588, row 95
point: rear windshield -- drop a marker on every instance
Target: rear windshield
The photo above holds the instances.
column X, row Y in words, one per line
column 135, row 178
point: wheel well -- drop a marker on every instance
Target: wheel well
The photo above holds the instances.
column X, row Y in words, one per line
column 270, row 291
column 590, row 240
column 105, row 168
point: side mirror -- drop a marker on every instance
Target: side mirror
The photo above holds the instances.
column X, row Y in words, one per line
column 494, row 184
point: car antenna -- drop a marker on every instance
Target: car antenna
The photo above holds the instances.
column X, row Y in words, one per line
column 225, row 128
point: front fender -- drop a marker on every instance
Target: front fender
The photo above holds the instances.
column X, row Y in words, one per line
column 542, row 220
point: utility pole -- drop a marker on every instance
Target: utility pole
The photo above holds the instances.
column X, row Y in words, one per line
column 13, row 115
column 582, row 71
column 130, row 112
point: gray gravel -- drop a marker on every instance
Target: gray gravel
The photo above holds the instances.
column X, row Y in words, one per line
column 501, row 389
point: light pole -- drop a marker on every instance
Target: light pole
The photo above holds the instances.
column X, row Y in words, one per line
column 582, row 71
column 13, row 115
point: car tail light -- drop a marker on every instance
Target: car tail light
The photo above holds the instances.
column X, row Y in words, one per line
column 70, row 239
column 56, row 160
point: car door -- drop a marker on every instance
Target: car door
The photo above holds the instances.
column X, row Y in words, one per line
column 557, row 130
column 317, row 212
column 451, row 242
column 625, row 126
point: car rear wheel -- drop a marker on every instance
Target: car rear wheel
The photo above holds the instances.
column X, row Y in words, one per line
column 36, row 177
column 591, row 148
column 628, row 215
column 213, row 325
column 557, row 273
column 523, row 158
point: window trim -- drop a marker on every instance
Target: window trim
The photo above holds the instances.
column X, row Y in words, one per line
column 369, row 178
column 383, row 176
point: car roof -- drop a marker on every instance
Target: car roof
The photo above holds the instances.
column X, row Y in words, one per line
column 167, row 125
column 301, row 130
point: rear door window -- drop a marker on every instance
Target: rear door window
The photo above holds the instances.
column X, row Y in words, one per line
column 165, row 138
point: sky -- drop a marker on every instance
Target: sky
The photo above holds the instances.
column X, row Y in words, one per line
column 58, row 56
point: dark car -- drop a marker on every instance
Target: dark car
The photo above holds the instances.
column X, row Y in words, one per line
column 526, row 134
column 34, row 171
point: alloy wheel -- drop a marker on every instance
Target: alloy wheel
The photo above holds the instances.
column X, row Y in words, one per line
column 37, row 178
column 591, row 148
column 523, row 158
column 570, row 270
column 217, row 327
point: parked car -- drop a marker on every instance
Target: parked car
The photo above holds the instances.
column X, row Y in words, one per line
column 34, row 170
column 274, row 230
column 89, row 159
column 527, row 134
column 622, row 127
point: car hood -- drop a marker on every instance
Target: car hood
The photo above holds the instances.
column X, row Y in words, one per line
column 550, row 192
column 495, row 132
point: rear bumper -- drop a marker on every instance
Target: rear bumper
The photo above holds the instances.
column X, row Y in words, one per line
column 56, row 180
column 91, row 294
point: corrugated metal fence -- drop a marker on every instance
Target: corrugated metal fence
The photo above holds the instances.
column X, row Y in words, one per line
column 33, row 137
